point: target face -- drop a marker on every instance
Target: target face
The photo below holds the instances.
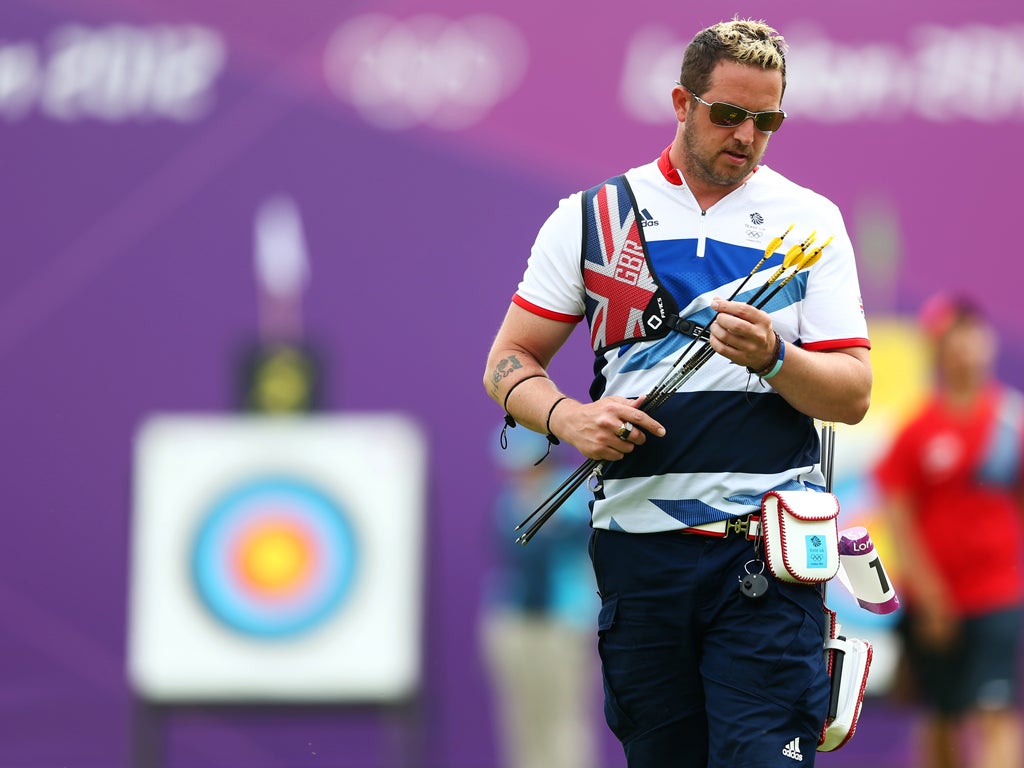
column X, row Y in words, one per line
column 277, row 560
column 274, row 558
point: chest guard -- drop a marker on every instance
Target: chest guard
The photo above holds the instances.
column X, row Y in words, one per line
column 625, row 303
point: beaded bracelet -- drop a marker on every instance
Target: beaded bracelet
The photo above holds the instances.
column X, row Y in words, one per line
column 776, row 362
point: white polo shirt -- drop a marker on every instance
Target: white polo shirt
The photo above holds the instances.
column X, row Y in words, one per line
column 730, row 438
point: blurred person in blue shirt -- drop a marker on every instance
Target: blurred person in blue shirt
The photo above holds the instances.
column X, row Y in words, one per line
column 537, row 625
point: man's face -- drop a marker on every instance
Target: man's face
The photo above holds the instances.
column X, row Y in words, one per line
column 724, row 157
column 966, row 353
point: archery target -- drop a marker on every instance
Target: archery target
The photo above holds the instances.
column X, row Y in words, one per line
column 274, row 557
column 277, row 559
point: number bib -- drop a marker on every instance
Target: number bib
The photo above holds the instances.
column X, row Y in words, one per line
column 862, row 573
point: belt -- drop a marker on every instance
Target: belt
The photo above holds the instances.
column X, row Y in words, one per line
column 749, row 525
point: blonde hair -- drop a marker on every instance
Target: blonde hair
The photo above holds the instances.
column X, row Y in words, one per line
column 745, row 41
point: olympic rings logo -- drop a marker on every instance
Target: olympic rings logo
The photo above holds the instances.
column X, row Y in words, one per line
column 424, row 70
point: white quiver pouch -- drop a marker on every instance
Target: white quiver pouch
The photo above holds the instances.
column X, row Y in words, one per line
column 801, row 535
column 848, row 661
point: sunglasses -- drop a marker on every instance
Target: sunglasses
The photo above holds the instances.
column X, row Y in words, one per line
column 729, row 115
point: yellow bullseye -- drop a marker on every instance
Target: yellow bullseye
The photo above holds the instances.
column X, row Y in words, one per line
column 275, row 558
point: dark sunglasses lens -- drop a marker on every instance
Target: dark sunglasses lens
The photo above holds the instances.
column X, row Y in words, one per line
column 769, row 121
column 726, row 115
column 729, row 116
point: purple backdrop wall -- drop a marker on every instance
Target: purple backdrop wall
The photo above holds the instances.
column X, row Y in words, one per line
column 139, row 138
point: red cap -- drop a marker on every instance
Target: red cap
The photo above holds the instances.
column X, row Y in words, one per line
column 941, row 311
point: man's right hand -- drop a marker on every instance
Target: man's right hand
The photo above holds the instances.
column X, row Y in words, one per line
column 601, row 430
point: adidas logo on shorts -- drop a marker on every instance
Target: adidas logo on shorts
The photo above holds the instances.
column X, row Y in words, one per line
column 792, row 750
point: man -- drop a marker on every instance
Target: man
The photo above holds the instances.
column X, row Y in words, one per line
column 538, row 609
column 696, row 673
column 951, row 489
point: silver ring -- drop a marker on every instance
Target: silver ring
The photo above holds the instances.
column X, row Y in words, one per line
column 623, row 432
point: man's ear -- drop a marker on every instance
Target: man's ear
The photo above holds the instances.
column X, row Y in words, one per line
column 681, row 102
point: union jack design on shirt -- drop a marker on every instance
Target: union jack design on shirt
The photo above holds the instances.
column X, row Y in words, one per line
column 618, row 280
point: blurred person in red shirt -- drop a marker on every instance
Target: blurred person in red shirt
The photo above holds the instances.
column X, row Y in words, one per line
column 952, row 492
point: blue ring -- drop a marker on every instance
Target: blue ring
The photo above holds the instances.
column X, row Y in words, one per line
column 245, row 613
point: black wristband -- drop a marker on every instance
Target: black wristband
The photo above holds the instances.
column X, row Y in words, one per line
column 509, row 419
column 552, row 440
column 511, row 389
column 547, row 425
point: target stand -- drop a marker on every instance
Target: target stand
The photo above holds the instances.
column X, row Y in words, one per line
column 277, row 568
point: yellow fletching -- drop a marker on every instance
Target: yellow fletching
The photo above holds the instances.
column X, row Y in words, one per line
column 776, row 242
column 813, row 256
column 793, row 255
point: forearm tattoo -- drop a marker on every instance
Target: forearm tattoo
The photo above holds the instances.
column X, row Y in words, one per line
column 503, row 370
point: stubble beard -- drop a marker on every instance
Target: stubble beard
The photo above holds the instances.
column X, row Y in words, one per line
column 701, row 166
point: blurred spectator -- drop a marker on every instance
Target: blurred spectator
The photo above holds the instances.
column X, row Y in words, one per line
column 951, row 487
column 538, row 632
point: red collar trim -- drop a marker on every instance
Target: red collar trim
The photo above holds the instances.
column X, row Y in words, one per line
column 671, row 174
column 665, row 166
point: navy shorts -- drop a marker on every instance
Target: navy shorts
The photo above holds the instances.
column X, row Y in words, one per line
column 979, row 671
column 696, row 675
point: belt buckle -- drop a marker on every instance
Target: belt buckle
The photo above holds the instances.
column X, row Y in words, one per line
column 740, row 525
